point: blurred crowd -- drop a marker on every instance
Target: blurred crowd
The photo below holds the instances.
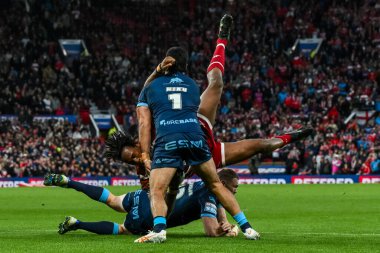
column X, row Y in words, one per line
column 52, row 146
column 269, row 89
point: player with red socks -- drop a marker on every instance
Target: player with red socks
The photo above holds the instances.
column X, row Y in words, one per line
column 123, row 147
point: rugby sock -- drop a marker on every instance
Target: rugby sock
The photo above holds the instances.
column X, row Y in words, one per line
column 159, row 224
column 242, row 221
column 286, row 138
column 101, row 227
column 218, row 58
column 95, row 192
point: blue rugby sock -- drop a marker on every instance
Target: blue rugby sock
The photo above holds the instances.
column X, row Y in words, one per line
column 95, row 192
column 101, row 227
column 242, row 221
column 159, row 223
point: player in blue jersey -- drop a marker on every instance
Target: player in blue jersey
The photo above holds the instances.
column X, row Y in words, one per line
column 173, row 100
column 231, row 152
column 194, row 202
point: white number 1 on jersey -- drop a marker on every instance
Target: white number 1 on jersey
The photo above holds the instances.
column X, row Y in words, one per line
column 176, row 100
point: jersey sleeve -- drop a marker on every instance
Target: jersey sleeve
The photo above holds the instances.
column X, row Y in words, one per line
column 143, row 98
column 208, row 206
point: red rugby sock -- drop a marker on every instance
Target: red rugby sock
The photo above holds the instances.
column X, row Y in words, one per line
column 218, row 57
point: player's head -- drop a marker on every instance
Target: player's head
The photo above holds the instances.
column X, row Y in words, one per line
column 121, row 146
column 229, row 179
column 181, row 58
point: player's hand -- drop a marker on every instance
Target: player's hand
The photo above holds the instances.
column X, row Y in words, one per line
column 234, row 231
column 145, row 157
column 166, row 63
column 226, row 226
column 148, row 166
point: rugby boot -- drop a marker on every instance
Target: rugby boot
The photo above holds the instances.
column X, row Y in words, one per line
column 225, row 27
column 68, row 225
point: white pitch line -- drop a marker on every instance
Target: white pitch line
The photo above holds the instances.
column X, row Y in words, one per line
column 317, row 233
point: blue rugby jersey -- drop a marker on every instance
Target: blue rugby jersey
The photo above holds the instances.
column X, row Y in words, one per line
column 174, row 102
column 193, row 202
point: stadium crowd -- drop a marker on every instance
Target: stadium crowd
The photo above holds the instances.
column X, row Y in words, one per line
column 30, row 150
column 268, row 88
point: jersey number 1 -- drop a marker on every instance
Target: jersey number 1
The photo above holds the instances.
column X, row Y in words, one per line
column 176, row 100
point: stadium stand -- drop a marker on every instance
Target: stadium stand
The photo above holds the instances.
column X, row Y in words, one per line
column 270, row 86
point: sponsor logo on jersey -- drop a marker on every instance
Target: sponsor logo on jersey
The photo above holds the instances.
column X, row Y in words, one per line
column 176, row 80
column 164, row 160
column 135, row 213
column 210, row 208
column 183, row 144
column 178, row 121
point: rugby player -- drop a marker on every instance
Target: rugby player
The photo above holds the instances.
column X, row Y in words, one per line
column 123, row 147
column 172, row 102
column 194, row 202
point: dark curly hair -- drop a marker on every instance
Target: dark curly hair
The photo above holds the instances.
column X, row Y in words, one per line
column 115, row 144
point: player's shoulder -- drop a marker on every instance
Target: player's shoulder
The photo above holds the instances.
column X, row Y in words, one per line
column 185, row 78
column 201, row 190
column 159, row 80
column 204, row 195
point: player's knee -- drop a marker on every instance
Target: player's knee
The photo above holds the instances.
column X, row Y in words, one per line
column 122, row 229
column 157, row 192
column 215, row 79
column 268, row 145
column 115, row 202
column 110, row 200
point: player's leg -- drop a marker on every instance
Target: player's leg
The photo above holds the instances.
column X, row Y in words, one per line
column 235, row 152
column 97, row 193
column 207, row 172
column 159, row 182
column 211, row 96
column 102, row 227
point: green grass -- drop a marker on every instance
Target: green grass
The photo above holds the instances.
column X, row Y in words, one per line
column 291, row 218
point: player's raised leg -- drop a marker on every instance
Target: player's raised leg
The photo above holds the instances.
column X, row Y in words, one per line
column 211, row 96
column 102, row 227
column 96, row 193
column 241, row 150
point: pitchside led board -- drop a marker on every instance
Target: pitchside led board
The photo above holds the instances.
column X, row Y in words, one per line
column 243, row 179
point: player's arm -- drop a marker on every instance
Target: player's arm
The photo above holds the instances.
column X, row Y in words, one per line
column 144, row 117
column 222, row 217
column 212, row 227
column 145, row 122
column 166, row 63
column 232, row 230
column 209, row 216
